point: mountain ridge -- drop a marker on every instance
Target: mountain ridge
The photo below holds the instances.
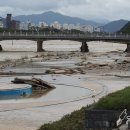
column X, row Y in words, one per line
column 115, row 26
column 49, row 17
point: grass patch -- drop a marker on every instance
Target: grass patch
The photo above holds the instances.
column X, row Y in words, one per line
column 75, row 121
column 115, row 101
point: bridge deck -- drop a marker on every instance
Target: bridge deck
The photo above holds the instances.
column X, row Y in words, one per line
column 74, row 37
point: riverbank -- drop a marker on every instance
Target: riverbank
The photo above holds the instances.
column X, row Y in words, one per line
column 76, row 120
column 94, row 71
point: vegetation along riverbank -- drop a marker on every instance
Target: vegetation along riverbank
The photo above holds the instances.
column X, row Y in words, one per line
column 76, row 120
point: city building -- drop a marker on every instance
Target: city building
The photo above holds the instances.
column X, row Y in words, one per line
column 1, row 23
column 23, row 26
column 8, row 21
column 11, row 24
column 56, row 25
column 28, row 26
column 78, row 27
column 43, row 25
column 71, row 26
column 97, row 29
column 87, row 28
column 32, row 26
column 15, row 24
column 65, row 26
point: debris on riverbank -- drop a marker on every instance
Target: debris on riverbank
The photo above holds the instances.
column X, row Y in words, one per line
column 35, row 82
column 103, row 59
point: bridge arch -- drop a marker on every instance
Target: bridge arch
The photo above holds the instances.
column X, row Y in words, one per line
column 19, row 45
column 94, row 46
column 31, row 45
column 83, row 47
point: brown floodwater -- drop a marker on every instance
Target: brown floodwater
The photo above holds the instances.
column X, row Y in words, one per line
column 31, row 113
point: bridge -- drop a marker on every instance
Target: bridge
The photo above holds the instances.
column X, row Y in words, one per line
column 83, row 38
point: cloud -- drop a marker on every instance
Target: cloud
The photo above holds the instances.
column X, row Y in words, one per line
column 109, row 9
column 87, row 9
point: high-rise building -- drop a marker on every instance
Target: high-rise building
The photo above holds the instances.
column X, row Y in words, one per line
column 8, row 21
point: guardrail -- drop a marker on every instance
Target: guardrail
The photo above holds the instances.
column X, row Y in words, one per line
column 59, row 35
column 32, row 36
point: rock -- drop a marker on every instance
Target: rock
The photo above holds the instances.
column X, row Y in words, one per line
column 127, row 55
column 119, row 61
column 102, row 65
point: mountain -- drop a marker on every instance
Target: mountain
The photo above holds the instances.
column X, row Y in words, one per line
column 115, row 26
column 50, row 17
column 101, row 20
column 126, row 29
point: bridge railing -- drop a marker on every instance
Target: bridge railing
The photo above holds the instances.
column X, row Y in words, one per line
column 20, row 34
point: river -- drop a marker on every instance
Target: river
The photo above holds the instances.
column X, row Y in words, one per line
column 76, row 76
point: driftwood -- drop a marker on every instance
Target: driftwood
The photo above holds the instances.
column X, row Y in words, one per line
column 35, row 82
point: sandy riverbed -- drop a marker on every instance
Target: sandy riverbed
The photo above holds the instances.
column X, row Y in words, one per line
column 96, row 70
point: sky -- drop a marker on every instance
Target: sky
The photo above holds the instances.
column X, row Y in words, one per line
column 86, row 9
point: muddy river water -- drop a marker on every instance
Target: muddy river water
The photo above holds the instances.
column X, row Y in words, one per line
column 76, row 76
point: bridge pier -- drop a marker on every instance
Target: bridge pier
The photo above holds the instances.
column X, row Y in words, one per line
column 84, row 47
column 128, row 48
column 39, row 46
column 1, row 49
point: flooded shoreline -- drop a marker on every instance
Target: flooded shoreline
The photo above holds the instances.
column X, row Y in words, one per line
column 77, row 76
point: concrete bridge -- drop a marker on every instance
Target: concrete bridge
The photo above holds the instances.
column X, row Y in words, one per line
column 83, row 38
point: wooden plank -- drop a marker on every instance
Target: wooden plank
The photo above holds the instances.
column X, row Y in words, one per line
column 35, row 82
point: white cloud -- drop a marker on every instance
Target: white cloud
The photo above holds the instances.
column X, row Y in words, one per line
column 87, row 9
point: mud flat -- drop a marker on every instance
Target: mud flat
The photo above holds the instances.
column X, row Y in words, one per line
column 77, row 77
